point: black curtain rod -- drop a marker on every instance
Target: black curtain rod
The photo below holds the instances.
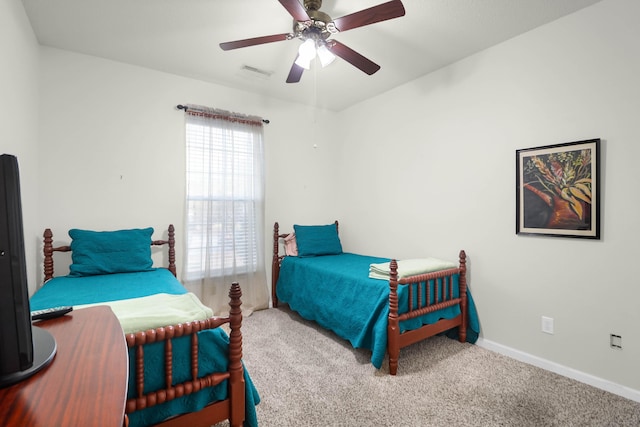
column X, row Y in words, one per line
column 185, row 108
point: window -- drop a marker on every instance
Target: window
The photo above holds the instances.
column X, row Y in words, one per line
column 224, row 195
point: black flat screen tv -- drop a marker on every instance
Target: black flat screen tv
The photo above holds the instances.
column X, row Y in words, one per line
column 24, row 349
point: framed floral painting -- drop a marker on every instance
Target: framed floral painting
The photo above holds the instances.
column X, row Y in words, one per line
column 558, row 190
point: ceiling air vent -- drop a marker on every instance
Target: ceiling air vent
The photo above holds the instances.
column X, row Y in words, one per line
column 253, row 72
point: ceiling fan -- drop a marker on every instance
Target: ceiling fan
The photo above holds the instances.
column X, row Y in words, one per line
column 315, row 27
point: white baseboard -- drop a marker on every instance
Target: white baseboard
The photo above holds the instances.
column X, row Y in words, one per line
column 591, row 380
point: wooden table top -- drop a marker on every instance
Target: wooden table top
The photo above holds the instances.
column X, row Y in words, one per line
column 85, row 384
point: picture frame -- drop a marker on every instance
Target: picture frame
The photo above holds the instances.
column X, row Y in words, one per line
column 558, row 190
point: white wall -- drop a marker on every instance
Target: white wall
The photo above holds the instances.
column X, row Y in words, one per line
column 433, row 172
column 112, row 148
column 19, row 115
column 449, row 137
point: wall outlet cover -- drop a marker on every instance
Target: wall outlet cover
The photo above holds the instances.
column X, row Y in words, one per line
column 547, row 325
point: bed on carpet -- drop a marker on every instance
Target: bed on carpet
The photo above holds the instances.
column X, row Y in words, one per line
column 379, row 304
column 184, row 368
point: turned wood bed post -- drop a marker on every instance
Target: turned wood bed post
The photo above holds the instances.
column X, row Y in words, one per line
column 236, row 372
column 393, row 327
column 48, row 254
column 172, row 250
column 275, row 265
column 48, row 251
column 171, row 243
column 462, row 330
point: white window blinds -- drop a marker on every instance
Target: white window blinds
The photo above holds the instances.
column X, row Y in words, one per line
column 224, row 218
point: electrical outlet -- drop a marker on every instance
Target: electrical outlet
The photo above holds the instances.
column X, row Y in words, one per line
column 547, row 325
column 615, row 341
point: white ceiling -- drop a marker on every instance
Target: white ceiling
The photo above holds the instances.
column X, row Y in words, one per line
column 182, row 36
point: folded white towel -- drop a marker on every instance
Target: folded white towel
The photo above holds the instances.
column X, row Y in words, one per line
column 409, row 267
column 155, row 311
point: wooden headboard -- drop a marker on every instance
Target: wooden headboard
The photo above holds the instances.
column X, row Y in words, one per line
column 49, row 249
column 277, row 259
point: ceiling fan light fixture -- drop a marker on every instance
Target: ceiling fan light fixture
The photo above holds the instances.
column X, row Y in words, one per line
column 325, row 55
column 306, row 53
column 303, row 62
column 307, row 49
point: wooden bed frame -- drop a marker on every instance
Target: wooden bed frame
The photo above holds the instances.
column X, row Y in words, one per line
column 395, row 339
column 232, row 408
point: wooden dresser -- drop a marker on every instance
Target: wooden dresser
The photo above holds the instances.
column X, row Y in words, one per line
column 85, row 384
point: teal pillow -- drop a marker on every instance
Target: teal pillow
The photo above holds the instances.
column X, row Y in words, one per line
column 315, row 240
column 107, row 252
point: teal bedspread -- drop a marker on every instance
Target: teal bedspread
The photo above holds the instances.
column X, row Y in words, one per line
column 213, row 344
column 336, row 292
column 67, row 290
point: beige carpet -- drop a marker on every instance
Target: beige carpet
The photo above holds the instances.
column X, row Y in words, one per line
column 309, row 377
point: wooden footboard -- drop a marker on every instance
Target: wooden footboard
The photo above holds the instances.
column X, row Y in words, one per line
column 232, row 408
column 419, row 302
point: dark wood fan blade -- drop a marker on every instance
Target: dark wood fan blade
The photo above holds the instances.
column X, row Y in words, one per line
column 381, row 12
column 295, row 9
column 295, row 74
column 353, row 57
column 254, row 41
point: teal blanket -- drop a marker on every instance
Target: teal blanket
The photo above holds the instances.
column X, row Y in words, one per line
column 336, row 292
column 213, row 344
column 67, row 290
